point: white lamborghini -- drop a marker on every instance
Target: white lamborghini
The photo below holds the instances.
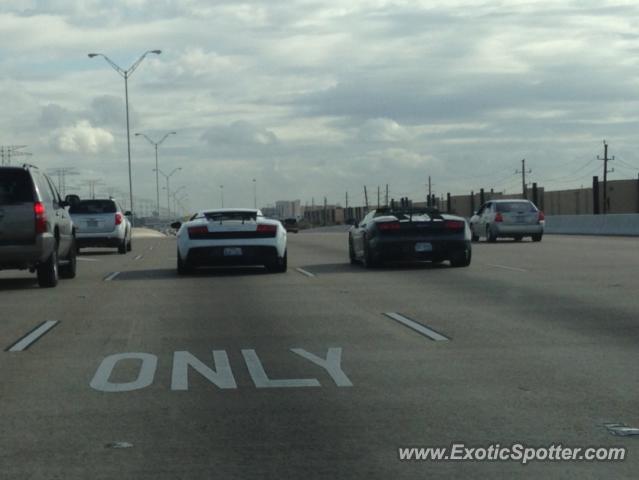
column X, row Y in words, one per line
column 230, row 236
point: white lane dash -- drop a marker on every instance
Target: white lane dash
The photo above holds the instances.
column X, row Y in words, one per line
column 151, row 247
column 87, row 259
column 111, row 276
column 418, row 327
column 31, row 337
column 506, row 267
column 305, row 272
column 138, row 257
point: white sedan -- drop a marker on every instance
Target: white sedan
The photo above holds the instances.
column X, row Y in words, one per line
column 230, row 236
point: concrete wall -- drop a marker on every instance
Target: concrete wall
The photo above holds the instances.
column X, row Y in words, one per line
column 611, row 224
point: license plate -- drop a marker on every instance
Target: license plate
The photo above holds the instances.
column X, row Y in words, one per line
column 423, row 247
column 92, row 223
column 520, row 219
column 232, row 252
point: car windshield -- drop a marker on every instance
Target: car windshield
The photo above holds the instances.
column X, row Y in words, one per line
column 230, row 215
column 508, row 207
column 93, row 206
column 15, row 186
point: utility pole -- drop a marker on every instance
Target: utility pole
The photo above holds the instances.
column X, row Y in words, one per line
column 8, row 151
column 429, row 198
column 325, row 212
column 346, row 208
column 62, row 173
column 523, row 177
column 605, row 175
column 378, row 197
column 366, row 197
column 386, row 198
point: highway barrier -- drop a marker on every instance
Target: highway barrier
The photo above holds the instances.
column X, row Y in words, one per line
column 610, row 224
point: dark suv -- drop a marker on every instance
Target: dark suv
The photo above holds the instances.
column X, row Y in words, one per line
column 36, row 231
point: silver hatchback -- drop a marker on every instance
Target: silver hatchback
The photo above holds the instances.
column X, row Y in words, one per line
column 511, row 218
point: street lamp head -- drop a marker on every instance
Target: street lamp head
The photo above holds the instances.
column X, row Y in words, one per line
column 157, row 52
column 138, row 134
column 91, row 55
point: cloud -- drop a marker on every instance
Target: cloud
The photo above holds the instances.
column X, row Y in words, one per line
column 55, row 116
column 82, row 138
column 239, row 134
column 383, row 130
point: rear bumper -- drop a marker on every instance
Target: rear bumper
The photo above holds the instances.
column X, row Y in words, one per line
column 214, row 256
column 405, row 249
column 504, row 230
column 112, row 239
column 27, row 256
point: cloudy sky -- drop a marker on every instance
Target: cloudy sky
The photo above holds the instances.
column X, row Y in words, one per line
column 314, row 99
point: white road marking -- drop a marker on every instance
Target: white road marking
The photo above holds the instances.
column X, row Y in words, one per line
column 26, row 341
column 506, row 267
column 151, row 247
column 138, row 257
column 221, row 377
column 86, row 259
column 111, row 276
column 332, row 364
column 304, row 272
column 261, row 380
column 418, row 327
column 145, row 375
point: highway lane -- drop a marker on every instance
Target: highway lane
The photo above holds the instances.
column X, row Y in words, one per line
column 542, row 350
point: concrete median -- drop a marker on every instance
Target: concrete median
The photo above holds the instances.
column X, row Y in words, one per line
column 611, row 224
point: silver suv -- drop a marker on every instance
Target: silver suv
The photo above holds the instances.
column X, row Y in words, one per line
column 36, row 231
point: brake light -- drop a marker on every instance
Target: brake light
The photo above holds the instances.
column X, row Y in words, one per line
column 266, row 228
column 454, row 225
column 200, row 230
column 387, row 226
column 118, row 218
column 498, row 217
column 40, row 217
column 540, row 216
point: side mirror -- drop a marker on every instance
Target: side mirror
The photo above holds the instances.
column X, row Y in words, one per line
column 176, row 225
column 71, row 200
column 128, row 213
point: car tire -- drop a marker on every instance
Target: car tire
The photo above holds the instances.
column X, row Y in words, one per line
column 68, row 270
column 129, row 246
column 47, row 271
column 490, row 235
column 368, row 260
column 537, row 238
column 182, row 267
column 279, row 265
column 351, row 251
column 122, row 247
column 461, row 258
column 474, row 238
column 518, row 238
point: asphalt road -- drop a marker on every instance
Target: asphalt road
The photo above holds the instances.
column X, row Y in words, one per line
column 310, row 378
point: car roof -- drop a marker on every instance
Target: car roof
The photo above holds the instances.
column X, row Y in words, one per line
column 224, row 210
column 510, row 200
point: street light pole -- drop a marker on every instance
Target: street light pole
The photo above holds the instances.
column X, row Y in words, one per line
column 157, row 177
column 255, row 194
column 168, row 189
column 222, row 194
column 126, row 74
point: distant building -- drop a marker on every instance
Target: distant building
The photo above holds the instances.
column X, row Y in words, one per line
column 288, row 209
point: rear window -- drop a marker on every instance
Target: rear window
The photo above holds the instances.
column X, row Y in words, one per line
column 290, row 221
column 506, row 207
column 93, row 206
column 15, row 186
column 226, row 216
